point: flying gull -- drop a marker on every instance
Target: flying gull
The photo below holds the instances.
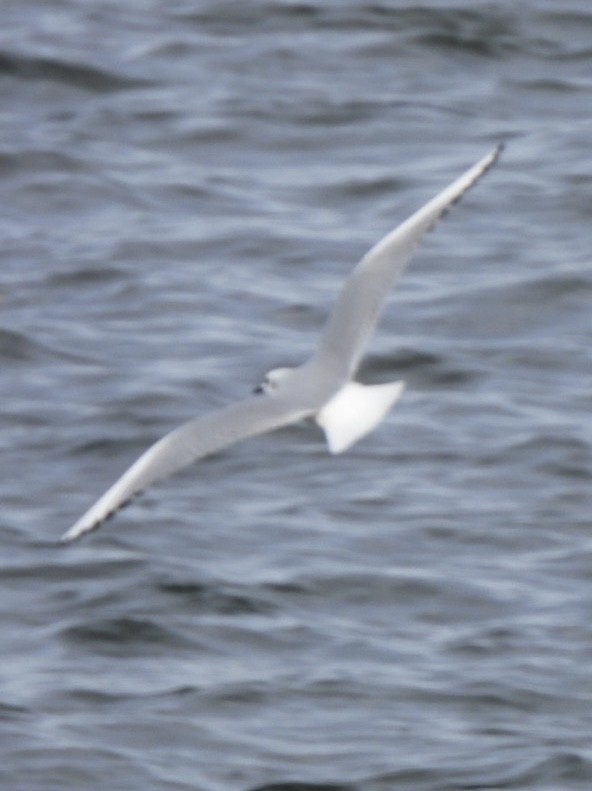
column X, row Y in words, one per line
column 322, row 388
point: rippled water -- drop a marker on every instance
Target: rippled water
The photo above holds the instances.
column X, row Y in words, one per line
column 185, row 186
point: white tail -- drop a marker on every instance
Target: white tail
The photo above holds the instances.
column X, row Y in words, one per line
column 355, row 411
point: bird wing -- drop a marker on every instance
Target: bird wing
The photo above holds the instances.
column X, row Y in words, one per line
column 188, row 443
column 362, row 298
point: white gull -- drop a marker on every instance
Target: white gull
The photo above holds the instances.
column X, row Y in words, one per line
column 321, row 388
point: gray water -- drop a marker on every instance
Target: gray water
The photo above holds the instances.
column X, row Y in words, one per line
column 185, row 185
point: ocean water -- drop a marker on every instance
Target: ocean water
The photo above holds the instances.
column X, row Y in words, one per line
column 185, row 185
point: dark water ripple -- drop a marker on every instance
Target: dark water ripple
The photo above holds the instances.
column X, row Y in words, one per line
column 76, row 74
column 184, row 187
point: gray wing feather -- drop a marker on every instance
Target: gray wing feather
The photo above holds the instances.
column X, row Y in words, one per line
column 358, row 307
column 188, row 443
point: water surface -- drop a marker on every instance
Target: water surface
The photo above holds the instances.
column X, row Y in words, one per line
column 185, row 186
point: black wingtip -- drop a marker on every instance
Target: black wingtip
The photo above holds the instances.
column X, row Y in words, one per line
column 494, row 157
column 499, row 149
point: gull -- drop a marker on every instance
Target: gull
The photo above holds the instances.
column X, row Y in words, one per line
column 322, row 388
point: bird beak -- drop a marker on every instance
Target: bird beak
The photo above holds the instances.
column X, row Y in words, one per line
column 258, row 390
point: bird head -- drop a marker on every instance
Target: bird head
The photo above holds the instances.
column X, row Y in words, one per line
column 273, row 379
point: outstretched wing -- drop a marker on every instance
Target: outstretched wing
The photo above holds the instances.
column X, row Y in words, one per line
column 359, row 304
column 186, row 444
